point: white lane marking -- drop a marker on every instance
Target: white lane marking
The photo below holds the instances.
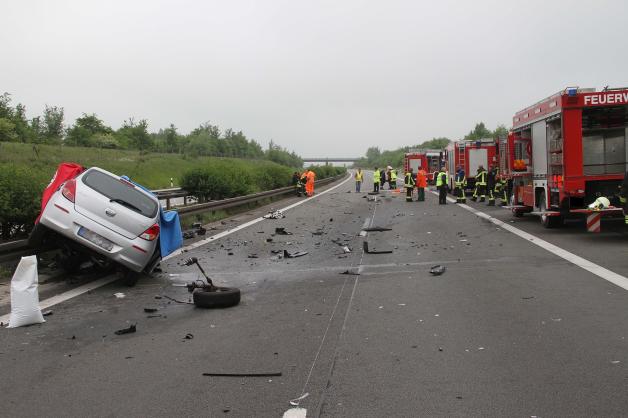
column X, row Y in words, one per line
column 62, row 297
column 104, row 281
column 249, row 223
column 581, row 262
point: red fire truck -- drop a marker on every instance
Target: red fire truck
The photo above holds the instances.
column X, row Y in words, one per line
column 428, row 159
column 470, row 155
column 566, row 151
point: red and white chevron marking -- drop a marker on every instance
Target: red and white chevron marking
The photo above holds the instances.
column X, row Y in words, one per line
column 593, row 222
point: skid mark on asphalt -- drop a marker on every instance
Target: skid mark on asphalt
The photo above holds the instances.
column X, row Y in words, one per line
column 583, row 263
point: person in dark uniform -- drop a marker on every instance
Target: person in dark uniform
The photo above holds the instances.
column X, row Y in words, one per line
column 491, row 182
column 409, row 184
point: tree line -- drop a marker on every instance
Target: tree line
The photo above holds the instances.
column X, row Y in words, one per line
column 376, row 158
column 90, row 131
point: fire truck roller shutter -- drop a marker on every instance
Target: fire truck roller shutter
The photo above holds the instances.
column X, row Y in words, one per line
column 477, row 157
column 539, row 148
column 415, row 164
column 604, row 146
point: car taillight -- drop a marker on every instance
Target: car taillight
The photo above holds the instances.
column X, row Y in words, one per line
column 151, row 233
column 69, row 190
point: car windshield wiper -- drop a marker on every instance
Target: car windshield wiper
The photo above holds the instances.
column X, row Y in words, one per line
column 127, row 204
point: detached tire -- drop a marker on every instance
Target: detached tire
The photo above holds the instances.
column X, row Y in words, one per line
column 223, row 297
column 129, row 277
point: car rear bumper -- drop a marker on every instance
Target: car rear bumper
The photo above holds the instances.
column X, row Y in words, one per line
column 60, row 216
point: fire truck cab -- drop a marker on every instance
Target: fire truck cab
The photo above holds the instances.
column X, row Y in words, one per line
column 430, row 160
column 566, row 151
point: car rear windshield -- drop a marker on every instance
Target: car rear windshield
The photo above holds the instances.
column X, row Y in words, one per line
column 119, row 191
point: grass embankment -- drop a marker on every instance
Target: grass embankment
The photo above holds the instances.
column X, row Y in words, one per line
column 26, row 169
column 152, row 170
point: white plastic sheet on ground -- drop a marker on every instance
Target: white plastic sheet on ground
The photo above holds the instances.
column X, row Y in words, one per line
column 24, row 294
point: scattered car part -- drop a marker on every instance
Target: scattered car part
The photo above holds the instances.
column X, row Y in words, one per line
column 206, row 295
column 282, row 231
column 437, row 270
column 129, row 330
column 274, row 215
column 270, row 374
column 365, row 246
column 296, row 254
column 376, row 229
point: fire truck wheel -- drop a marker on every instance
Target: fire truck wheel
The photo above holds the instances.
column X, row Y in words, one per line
column 549, row 221
column 223, row 297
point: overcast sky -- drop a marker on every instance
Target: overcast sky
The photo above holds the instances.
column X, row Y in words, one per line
column 323, row 78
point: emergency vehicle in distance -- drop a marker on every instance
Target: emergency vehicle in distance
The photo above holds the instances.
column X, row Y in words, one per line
column 470, row 155
column 429, row 159
column 565, row 151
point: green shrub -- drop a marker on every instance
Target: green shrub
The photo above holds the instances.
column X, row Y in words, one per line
column 324, row 171
column 20, row 200
column 215, row 183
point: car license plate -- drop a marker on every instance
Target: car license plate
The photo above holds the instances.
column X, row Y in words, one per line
column 93, row 237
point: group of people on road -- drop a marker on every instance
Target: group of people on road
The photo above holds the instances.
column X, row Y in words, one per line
column 419, row 181
column 487, row 183
column 490, row 183
column 304, row 182
column 380, row 178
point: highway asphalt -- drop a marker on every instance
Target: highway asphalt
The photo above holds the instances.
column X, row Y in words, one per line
column 510, row 329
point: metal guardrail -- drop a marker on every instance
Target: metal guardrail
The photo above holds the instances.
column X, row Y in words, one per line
column 21, row 245
column 243, row 200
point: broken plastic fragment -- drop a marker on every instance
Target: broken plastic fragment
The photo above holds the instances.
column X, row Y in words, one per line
column 377, row 229
column 282, row 231
column 119, row 295
column 365, row 246
column 274, row 215
column 437, row 270
column 295, row 402
column 128, row 330
column 287, row 254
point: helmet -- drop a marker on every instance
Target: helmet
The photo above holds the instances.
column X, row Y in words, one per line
column 600, row 203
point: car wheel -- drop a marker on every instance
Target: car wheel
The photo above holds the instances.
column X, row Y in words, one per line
column 71, row 263
column 130, row 277
column 222, row 297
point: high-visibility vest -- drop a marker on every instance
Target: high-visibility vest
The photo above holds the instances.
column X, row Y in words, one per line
column 421, row 179
column 358, row 176
column 409, row 180
column 481, row 178
column 376, row 176
column 441, row 179
column 393, row 175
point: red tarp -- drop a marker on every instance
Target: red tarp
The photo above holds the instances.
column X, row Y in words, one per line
column 65, row 171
